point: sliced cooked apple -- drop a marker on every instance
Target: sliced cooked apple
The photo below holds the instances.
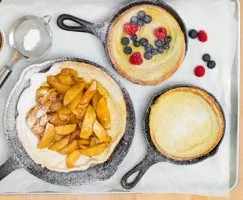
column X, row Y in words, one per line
column 92, row 142
column 80, row 111
column 87, row 127
column 74, row 135
column 65, row 118
column 100, row 132
column 56, row 106
column 57, row 138
column 53, row 81
column 47, row 95
column 102, row 90
column 75, row 102
column 89, row 93
column 40, row 93
column 69, row 148
column 95, row 150
column 68, row 71
column 72, row 93
column 65, row 79
column 60, row 145
column 83, row 142
column 65, row 129
column 81, row 146
column 55, row 119
column 96, row 98
column 43, row 120
column 73, row 119
column 64, row 111
column 38, row 129
column 48, row 136
column 72, row 158
column 103, row 113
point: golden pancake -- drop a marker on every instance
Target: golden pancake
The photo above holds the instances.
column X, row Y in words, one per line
column 186, row 123
column 161, row 66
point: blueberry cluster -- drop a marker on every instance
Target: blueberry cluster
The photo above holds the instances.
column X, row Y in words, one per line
column 210, row 63
column 141, row 19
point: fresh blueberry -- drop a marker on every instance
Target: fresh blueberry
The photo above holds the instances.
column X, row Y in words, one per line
column 193, row 34
column 148, row 56
column 141, row 14
column 148, row 48
column 159, row 43
column 166, row 46
column 134, row 20
column 211, row 64
column 125, row 41
column 168, row 39
column 140, row 23
column 136, row 43
column 147, row 19
column 155, row 51
column 127, row 50
column 134, row 37
column 206, row 57
column 143, row 42
column 161, row 50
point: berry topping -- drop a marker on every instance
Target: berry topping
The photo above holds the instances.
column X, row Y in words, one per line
column 160, row 33
column 166, row 46
column 160, row 50
column 159, row 43
column 206, row 57
column 155, row 51
column 136, row 43
column 211, row 64
column 199, row 71
column 202, row 36
column 141, row 14
column 140, row 23
column 125, row 41
column 149, row 48
column 168, row 39
column 136, row 59
column 130, row 28
column 147, row 19
column 134, row 20
column 193, row 34
column 148, row 56
column 127, row 50
column 134, row 37
column 143, row 42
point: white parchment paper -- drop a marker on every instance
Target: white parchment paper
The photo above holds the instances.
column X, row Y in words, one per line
column 210, row 177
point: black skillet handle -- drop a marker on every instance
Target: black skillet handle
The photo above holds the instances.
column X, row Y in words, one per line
column 8, row 167
column 149, row 160
column 98, row 30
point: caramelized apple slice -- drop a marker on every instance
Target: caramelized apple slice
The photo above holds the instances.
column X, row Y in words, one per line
column 64, row 111
column 89, row 93
column 57, row 138
column 65, row 129
column 103, row 113
column 56, row 106
column 37, row 129
column 53, row 81
column 96, row 98
column 95, row 150
column 80, row 111
column 65, row 118
column 72, row 93
column 75, row 102
column 40, row 93
column 74, row 135
column 47, row 95
column 60, row 145
column 100, row 132
column 87, row 127
column 92, row 142
column 55, row 119
column 83, row 142
column 65, row 79
column 44, row 120
column 73, row 119
column 102, row 90
column 68, row 71
column 72, row 158
column 48, row 136
column 69, row 148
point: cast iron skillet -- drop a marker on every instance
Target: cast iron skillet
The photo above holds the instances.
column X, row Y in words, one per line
column 19, row 157
column 154, row 156
column 101, row 30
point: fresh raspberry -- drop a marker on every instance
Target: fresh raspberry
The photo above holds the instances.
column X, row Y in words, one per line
column 202, row 36
column 136, row 59
column 130, row 28
column 199, row 71
column 160, row 33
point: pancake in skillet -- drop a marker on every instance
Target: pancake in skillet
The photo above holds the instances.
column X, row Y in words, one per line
column 169, row 55
column 186, row 123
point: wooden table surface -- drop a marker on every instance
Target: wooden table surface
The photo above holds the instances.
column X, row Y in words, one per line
column 236, row 194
